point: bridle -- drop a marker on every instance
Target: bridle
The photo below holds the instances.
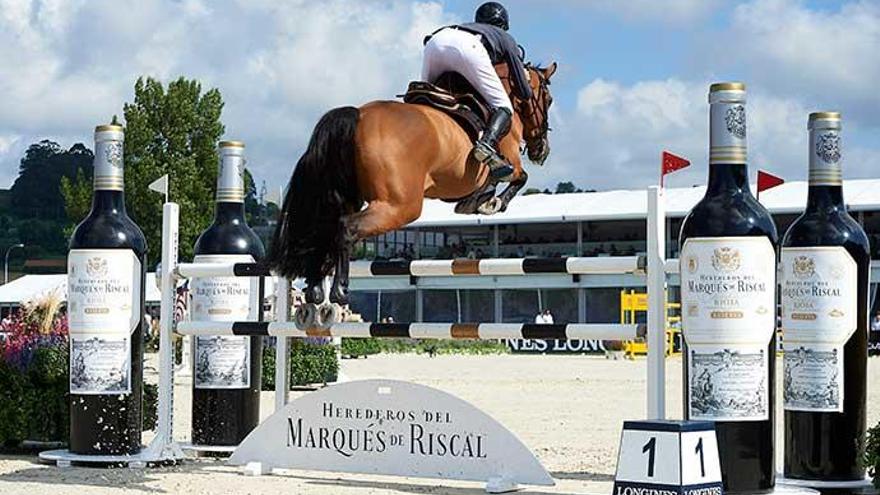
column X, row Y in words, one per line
column 537, row 109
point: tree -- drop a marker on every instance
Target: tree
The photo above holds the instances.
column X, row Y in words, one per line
column 44, row 169
column 174, row 132
column 530, row 191
column 252, row 207
column 566, row 188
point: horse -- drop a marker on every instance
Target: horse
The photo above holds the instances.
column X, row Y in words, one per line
column 389, row 156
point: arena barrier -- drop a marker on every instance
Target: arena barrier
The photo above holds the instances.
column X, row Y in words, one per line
column 164, row 448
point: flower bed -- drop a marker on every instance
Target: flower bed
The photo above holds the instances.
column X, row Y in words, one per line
column 34, row 376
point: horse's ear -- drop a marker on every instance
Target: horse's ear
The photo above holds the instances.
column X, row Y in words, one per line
column 549, row 71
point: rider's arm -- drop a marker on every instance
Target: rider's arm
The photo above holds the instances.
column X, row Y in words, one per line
column 518, row 71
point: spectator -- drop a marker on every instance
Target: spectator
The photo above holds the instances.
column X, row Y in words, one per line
column 154, row 326
column 544, row 317
column 875, row 323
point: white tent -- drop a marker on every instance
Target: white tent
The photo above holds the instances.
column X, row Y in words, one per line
column 30, row 287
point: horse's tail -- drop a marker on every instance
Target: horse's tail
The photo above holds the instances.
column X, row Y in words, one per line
column 310, row 236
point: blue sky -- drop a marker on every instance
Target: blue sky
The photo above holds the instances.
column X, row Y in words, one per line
column 632, row 81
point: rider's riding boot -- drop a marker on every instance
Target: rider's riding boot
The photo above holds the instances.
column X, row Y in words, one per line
column 486, row 148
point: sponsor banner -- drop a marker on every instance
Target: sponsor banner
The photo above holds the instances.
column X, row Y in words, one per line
column 540, row 346
column 391, row 428
column 628, row 488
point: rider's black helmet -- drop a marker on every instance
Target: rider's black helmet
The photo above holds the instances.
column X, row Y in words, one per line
column 492, row 13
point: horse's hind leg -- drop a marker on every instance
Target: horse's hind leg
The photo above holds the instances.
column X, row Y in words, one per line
column 339, row 290
column 379, row 217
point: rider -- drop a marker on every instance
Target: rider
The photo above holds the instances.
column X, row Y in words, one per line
column 472, row 50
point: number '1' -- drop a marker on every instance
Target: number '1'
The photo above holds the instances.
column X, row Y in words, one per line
column 650, row 447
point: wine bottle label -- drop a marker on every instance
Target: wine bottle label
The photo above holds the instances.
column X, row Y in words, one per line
column 825, row 157
column 728, row 294
column 819, row 315
column 104, row 289
column 727, row 127
column 108, row 160
column 222, row 362
column 230, row 180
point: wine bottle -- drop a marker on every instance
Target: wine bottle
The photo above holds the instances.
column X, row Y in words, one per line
column 105, row 305
column 226, row 379
column 728, row 295
column 825, row 267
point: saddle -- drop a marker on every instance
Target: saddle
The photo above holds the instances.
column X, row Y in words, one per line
column 454, row 96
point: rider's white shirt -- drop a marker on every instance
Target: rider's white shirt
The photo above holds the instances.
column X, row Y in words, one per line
column 453, row 50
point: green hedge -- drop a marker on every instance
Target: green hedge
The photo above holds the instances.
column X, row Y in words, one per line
column 872, row 454
column 310, row 363
column 34, row 404
column 355, row 348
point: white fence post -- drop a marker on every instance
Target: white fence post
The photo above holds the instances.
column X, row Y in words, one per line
column 164, row 431
column 282, row 349
column 656, row 285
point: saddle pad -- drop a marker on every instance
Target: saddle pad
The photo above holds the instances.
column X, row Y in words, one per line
column 465, row 109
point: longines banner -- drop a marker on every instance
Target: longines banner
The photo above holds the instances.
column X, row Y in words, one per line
column 394, row 428
column 538, row 346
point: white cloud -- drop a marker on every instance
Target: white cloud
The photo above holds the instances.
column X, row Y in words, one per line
column 614, row 137
column 827, row 57
column 279, row 65
column 9, row 148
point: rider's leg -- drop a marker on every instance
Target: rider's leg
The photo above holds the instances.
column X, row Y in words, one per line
column 480, row 72
column 486, row 148
column 441, row 54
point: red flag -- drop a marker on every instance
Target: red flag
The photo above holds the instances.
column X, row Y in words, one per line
column 767, row 180
column 670, row 163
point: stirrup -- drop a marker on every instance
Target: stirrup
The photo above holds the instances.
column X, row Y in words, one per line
column 482, row 152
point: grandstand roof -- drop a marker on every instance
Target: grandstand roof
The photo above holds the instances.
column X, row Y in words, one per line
column 791, row 197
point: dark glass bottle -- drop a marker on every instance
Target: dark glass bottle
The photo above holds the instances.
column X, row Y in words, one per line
column 728, row 277
column 106, row 271
column 825, row 267
column 226, row 379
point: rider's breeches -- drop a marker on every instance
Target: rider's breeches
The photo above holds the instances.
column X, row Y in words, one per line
column 453, row 50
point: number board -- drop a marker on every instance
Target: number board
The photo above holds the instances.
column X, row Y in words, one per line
column 668, row 457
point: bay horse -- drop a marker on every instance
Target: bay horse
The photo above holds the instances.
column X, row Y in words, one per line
column 390, row 156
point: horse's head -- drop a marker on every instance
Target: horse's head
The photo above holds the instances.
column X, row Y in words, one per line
column 535, row 113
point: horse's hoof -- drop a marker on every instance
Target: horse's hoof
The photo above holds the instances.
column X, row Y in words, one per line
column 490, row 207
column 327, row 315
column 339, row 296
column 314, row 294
column 304, row 317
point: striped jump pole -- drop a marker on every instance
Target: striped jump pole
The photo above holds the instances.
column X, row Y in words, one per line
column 442, row 268
column 455, row 331
column 283, row 330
